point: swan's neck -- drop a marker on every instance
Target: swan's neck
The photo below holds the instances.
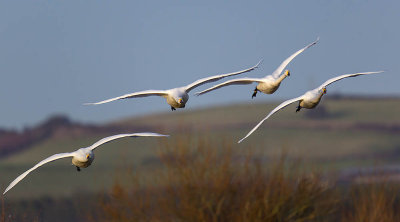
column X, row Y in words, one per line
column 281, row 78
column 321, row 94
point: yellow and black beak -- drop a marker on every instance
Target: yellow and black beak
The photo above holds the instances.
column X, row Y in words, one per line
column 324, row 90
column 87, row 156
column 287, row 72
column 180, row 101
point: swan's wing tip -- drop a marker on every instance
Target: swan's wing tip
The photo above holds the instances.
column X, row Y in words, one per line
column 9, row 187
column 315, row 42
column 88, row 104
column 375, row 72
column 259, row 62
column 147, row 134
column 155, row 134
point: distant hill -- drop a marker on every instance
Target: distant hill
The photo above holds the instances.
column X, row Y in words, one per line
column 55, row 127
column 330, row 114
column 369, row 113
column 341, row 134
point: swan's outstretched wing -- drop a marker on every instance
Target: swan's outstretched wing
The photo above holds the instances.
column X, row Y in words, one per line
column 281, row 106
column 47, row 160
column 330, row 81
column 241, row 81
column 200, row 82
column 110, row 138
column 132, row 95
column 279, row 70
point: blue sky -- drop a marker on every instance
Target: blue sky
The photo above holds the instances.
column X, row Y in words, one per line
column 56, row 55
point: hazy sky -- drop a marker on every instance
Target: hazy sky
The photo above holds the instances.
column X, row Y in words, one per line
column 56, row 55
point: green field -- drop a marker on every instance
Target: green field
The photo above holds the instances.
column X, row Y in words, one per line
column 353, row 133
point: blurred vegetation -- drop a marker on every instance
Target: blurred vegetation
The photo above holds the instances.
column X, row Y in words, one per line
column 351, row 134
column 204, row 183
column 208, row 181
column 374, row 202
column 296, row 167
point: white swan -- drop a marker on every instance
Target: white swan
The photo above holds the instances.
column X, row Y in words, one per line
column 269, row 84
column 176, row 97
column 82, row 157
column 308, row 100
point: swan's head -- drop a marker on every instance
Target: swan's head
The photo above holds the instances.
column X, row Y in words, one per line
column 179, row 100
column 323, row 90
column 181, row 103
column 287, row 72
column 87, row 156
column 84, row 155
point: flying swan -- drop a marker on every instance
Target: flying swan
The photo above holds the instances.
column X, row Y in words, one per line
column 176, row 97
column 308, row 100
column 269, row 84
column 82, row 157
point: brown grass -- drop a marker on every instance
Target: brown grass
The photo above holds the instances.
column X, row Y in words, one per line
column 208, row 183
column 376, row 202
column 3, row 210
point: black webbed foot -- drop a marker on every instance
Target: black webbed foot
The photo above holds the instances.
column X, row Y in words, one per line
column 78, row 169
column 298, row 108
column 172, row 108
column 255, row 93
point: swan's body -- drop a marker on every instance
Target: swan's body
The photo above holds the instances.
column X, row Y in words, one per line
column 269, row 84
column 177, row 97
column 81, row 158
column 311, row 99
column 179, row 93
column 308, row 100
